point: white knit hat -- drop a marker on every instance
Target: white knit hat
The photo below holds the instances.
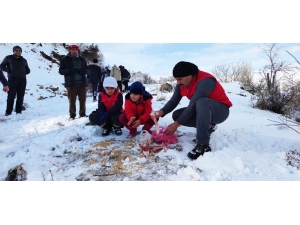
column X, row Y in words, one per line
column 110, row 82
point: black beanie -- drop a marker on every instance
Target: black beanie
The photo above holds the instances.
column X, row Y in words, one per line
column 17, row 47
column 137, row 88
column 95, row 60
column 184, row 69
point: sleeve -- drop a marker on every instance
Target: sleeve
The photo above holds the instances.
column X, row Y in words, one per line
column 27, row 67
column 148, row 109
column 63, row 70
column 118, row 106
column 129, row 111
column 203, row 89
column 173, row 102
column 100, row 74
column 3, row 79
column 86, row 68
column 3, row 65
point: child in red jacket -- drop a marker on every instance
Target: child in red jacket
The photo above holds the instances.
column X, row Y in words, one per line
column 109, row 108
column 138, row 106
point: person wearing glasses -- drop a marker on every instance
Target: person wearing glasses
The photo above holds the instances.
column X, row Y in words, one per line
column 17, row 68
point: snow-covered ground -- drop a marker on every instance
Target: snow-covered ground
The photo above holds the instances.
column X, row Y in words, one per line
column 50, row 147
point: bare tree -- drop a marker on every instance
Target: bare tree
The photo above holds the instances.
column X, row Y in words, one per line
column 90, row 52
column 238, row 71
column 277, row 87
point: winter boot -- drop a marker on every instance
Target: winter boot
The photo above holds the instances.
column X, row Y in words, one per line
column 118, row 131
column 200, row 149
column 106, row 131
column 95, row 99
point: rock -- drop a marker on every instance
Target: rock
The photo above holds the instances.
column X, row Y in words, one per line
column 42, row 98
column 16, row 174
column 166, row 87
column 54, row 89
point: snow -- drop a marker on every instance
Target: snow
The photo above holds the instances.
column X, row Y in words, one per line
column 244, row 148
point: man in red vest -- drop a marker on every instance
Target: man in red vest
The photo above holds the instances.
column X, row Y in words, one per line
column 209, row 104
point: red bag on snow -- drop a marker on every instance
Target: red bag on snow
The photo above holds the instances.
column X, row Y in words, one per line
column 163, row 138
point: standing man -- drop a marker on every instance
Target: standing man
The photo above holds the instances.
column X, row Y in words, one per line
column 4, row 82
column 208, row 106
column 74, row 67
column 116, row 73
column 95, row 77
column 17, row 69
column 125, row 77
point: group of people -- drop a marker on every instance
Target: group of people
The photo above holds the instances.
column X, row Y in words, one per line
column 97, row 75
column 78, row 74
column 208, row 106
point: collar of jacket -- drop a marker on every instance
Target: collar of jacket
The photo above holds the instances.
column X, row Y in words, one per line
column 78, row 55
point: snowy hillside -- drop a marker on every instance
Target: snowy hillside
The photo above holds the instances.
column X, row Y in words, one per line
column 50, row 147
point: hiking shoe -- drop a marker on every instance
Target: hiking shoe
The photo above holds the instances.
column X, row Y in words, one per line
column 212, row 128
column 118, row 131
column 72, row 117
column 106, row 132
column 83, row 115
column 200, row 149
column 7, row 114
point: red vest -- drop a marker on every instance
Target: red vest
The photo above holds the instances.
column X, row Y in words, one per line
column 109, row 101
column 218, row 94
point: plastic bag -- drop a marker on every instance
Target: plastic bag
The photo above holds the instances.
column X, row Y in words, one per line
column 164, row 138
column 145, row 139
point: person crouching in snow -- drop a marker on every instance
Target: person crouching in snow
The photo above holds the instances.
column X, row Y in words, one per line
column 109, row 108
column 138, row 106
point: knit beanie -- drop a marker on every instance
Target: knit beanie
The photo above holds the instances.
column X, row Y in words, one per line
column 17, row 47
column 73, row 46
column 184, row 69
column 110, row 82
column 137, row 88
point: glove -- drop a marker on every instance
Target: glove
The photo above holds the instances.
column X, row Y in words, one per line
column 103, row 118
column 81, row 71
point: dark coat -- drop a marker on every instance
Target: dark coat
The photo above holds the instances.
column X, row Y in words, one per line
column 95, row 73
column 66, row 69
column 3, row 79
column 15, row 67
column 125, row 74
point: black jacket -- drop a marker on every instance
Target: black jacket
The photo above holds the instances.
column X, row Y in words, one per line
column 66, row 68
column 15, row 67
column 3, row 79
column 95, row 73
column 125, row 74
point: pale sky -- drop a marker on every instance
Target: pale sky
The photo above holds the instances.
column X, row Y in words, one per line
column 159, row 59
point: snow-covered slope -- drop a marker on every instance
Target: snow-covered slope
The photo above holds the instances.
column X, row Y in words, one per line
column 51, row 147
